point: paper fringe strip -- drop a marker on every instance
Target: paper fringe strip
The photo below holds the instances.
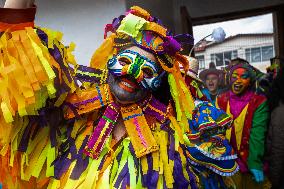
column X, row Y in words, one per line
column 27, row 76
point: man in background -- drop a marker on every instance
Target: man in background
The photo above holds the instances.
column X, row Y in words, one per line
column 211, row 79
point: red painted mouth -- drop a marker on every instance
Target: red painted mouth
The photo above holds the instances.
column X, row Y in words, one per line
column 128, row 85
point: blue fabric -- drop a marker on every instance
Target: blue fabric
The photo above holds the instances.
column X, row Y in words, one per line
column 258, row 175
column 212, row 181
column 210, row 147
column 221, row 167
column 205, row 117
column 207, row 94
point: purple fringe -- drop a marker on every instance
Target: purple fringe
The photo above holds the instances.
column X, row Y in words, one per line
column 158, row 105
column 122, row 176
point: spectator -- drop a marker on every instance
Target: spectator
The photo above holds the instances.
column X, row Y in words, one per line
column 211, row 79
column 275, row 139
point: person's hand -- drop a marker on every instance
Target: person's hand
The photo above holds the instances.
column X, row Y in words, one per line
column 258, row 175
column 18, row 4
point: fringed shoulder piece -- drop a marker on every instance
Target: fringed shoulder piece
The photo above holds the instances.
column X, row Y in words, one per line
column 33, row 65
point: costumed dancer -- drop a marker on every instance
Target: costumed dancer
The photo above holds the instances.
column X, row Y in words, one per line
column 247, row 135
column 123, row 128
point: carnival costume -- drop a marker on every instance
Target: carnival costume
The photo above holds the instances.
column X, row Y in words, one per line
column 247, row 135
column 57, row 134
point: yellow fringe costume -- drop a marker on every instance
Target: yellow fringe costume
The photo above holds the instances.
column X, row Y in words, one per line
column 47, row 121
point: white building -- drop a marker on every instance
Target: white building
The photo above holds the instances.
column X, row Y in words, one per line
column 255, row 48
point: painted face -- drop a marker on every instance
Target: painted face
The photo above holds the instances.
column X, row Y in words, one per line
column 212, row 82
column 137, row 64
column 240, row 80
column 134, row 73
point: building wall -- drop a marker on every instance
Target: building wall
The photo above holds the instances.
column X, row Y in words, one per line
column 239, row 44
column 81, row 21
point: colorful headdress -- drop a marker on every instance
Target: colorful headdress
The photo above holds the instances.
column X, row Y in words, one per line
column 137, row 27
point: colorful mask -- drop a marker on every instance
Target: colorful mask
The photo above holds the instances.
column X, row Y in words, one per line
column 145, row 71
column 240, row 80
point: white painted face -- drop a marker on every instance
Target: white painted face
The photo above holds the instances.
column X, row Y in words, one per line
column 134, row 73
column 132, row 62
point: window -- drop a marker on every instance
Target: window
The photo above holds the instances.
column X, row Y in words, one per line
column 227, row 57
column 234, row 54
column 219, row 59
column 224, row 58
column 201, row 61
column 247, row 54
column 255, row 55
column 267, row 53
column 259, row 54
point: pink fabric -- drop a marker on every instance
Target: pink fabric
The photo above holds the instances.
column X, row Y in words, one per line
column 237, row 103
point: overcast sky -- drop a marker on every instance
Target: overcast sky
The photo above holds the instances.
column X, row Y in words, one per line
column 256, row 24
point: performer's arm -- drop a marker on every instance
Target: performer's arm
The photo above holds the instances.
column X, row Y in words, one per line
column 17, row 15
column 18, row 4
column 38, row 58
column 257, row 137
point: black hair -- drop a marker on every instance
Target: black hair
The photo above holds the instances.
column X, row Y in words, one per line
column 163, row 93
column 276, row 94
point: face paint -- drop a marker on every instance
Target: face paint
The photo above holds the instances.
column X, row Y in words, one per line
column 144, row 70
column 133, row 74
column 240, row 80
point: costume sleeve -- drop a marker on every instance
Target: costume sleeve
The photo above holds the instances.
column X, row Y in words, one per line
column 16, row 19
column 257, row 136
column 34, row 65
column 36, row 74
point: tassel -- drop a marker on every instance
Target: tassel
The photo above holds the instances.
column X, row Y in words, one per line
column 175, row 95
column 138, row 130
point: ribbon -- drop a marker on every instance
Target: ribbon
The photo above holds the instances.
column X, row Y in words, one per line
column 138, row 130
column 102, row 131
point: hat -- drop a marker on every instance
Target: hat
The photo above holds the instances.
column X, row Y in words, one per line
column 209, row 147
column 193, row 67
column 212, row 70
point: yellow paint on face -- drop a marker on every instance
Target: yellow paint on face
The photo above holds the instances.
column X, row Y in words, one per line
column 240, row 80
